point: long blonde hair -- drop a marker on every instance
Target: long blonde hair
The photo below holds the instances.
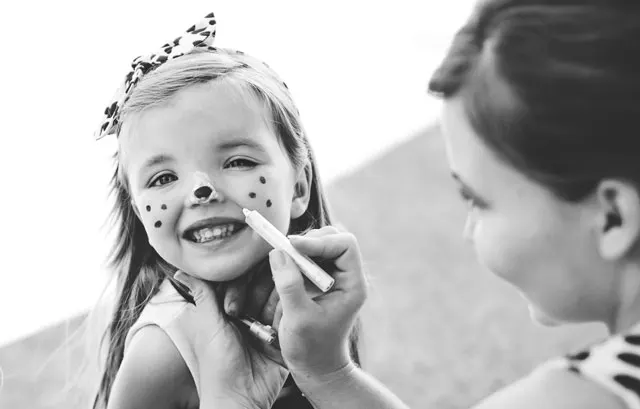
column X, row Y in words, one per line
column 139, row 269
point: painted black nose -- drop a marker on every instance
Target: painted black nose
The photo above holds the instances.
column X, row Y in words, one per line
column 202, row 192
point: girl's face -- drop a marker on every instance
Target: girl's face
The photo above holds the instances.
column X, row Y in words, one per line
column 209, row 130
column 542, row 245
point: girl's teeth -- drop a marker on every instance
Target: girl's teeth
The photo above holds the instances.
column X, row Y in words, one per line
column 213, row 233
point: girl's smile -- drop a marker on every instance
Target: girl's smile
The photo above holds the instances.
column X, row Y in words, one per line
column 207, row 230
column 193, row 163
column 214, row 232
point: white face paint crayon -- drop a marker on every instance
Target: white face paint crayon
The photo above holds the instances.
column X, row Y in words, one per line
column 278, row 241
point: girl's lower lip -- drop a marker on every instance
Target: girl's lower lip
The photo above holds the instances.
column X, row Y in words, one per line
column 213, row 244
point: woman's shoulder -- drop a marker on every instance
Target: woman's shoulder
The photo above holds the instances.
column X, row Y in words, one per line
column 604, row 375
column 552, row 387
column 612, row 364
column 152, row 374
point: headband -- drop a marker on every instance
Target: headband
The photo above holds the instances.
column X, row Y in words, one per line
column 200, row 36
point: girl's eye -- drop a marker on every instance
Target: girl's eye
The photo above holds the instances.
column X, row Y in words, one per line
column 240, row 163
column 163, row 179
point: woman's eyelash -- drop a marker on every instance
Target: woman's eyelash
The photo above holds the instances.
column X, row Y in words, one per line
column 470, row 200
column 163, row 179
column 240, row 163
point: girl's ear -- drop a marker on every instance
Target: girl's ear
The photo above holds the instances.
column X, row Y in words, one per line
column 302, row 191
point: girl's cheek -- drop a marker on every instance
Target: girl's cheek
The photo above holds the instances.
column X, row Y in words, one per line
column 157, row 212
column 261, row 193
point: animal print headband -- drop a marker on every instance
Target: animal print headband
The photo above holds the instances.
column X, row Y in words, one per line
column 199, row 36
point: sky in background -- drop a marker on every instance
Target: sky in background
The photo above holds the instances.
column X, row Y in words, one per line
column 358, row 71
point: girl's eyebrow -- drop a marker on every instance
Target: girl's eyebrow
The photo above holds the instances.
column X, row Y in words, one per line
column 239, row 142
column 157, row 160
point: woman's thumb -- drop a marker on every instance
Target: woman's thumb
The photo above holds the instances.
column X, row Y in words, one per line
column 289, row 281
column 186, row 280
column 200, row 290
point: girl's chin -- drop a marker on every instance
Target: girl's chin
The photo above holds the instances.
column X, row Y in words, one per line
column 207, row 276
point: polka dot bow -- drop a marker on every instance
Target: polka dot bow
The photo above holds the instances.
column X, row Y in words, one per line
column 198, row 36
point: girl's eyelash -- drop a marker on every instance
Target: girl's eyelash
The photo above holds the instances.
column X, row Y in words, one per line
column 159, row 178
column 240, row 162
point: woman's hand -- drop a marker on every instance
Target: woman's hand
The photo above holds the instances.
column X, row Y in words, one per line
column 232, row 373
column 314, row 329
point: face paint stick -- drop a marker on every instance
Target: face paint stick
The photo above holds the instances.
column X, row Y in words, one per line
column 277, row 240
column 259, row 330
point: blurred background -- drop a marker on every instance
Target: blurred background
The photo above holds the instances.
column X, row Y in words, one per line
column 439, row 330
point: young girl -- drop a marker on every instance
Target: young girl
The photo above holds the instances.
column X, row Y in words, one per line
column 202, row 133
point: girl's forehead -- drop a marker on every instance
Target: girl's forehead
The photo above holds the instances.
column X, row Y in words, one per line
column 203, row 116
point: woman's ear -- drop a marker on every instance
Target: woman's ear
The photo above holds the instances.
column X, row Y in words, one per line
column 302, row 191
column 618, row 218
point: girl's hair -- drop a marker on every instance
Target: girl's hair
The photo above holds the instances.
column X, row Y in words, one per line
column 139, row 269
column 569, row 116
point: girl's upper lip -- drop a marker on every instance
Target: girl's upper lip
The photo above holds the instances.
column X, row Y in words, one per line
column 212, row 222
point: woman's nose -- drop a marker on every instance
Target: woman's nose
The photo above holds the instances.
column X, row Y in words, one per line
column 469, row 227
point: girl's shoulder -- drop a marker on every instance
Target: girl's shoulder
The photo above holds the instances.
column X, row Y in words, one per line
column 157, row 333
column 153, row 374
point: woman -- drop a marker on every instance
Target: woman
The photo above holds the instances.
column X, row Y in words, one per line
column 541, row 101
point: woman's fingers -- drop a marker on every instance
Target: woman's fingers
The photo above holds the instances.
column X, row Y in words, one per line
column 342, row 248
column 259, row 292
column 289, row 282
column 323, row 231
column 267, row 315
column 235, row 294
column 201, row 291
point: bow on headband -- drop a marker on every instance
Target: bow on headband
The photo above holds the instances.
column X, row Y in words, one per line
column 198, row 36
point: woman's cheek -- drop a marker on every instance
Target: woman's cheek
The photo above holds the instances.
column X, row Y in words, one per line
column 494, row 248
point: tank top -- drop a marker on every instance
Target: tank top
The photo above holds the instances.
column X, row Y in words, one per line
column 613, row 364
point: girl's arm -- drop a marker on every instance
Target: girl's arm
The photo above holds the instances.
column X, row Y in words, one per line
column 153, row 374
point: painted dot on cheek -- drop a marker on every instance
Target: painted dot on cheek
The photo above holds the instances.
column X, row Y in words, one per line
column 269, row 203
column 148, row 208
column 163, row 207
column 158, row 224
column 263, row 180
column 252, row 195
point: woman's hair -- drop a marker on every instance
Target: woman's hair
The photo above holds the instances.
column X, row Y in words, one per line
column 139, row 269
column 552, row 87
